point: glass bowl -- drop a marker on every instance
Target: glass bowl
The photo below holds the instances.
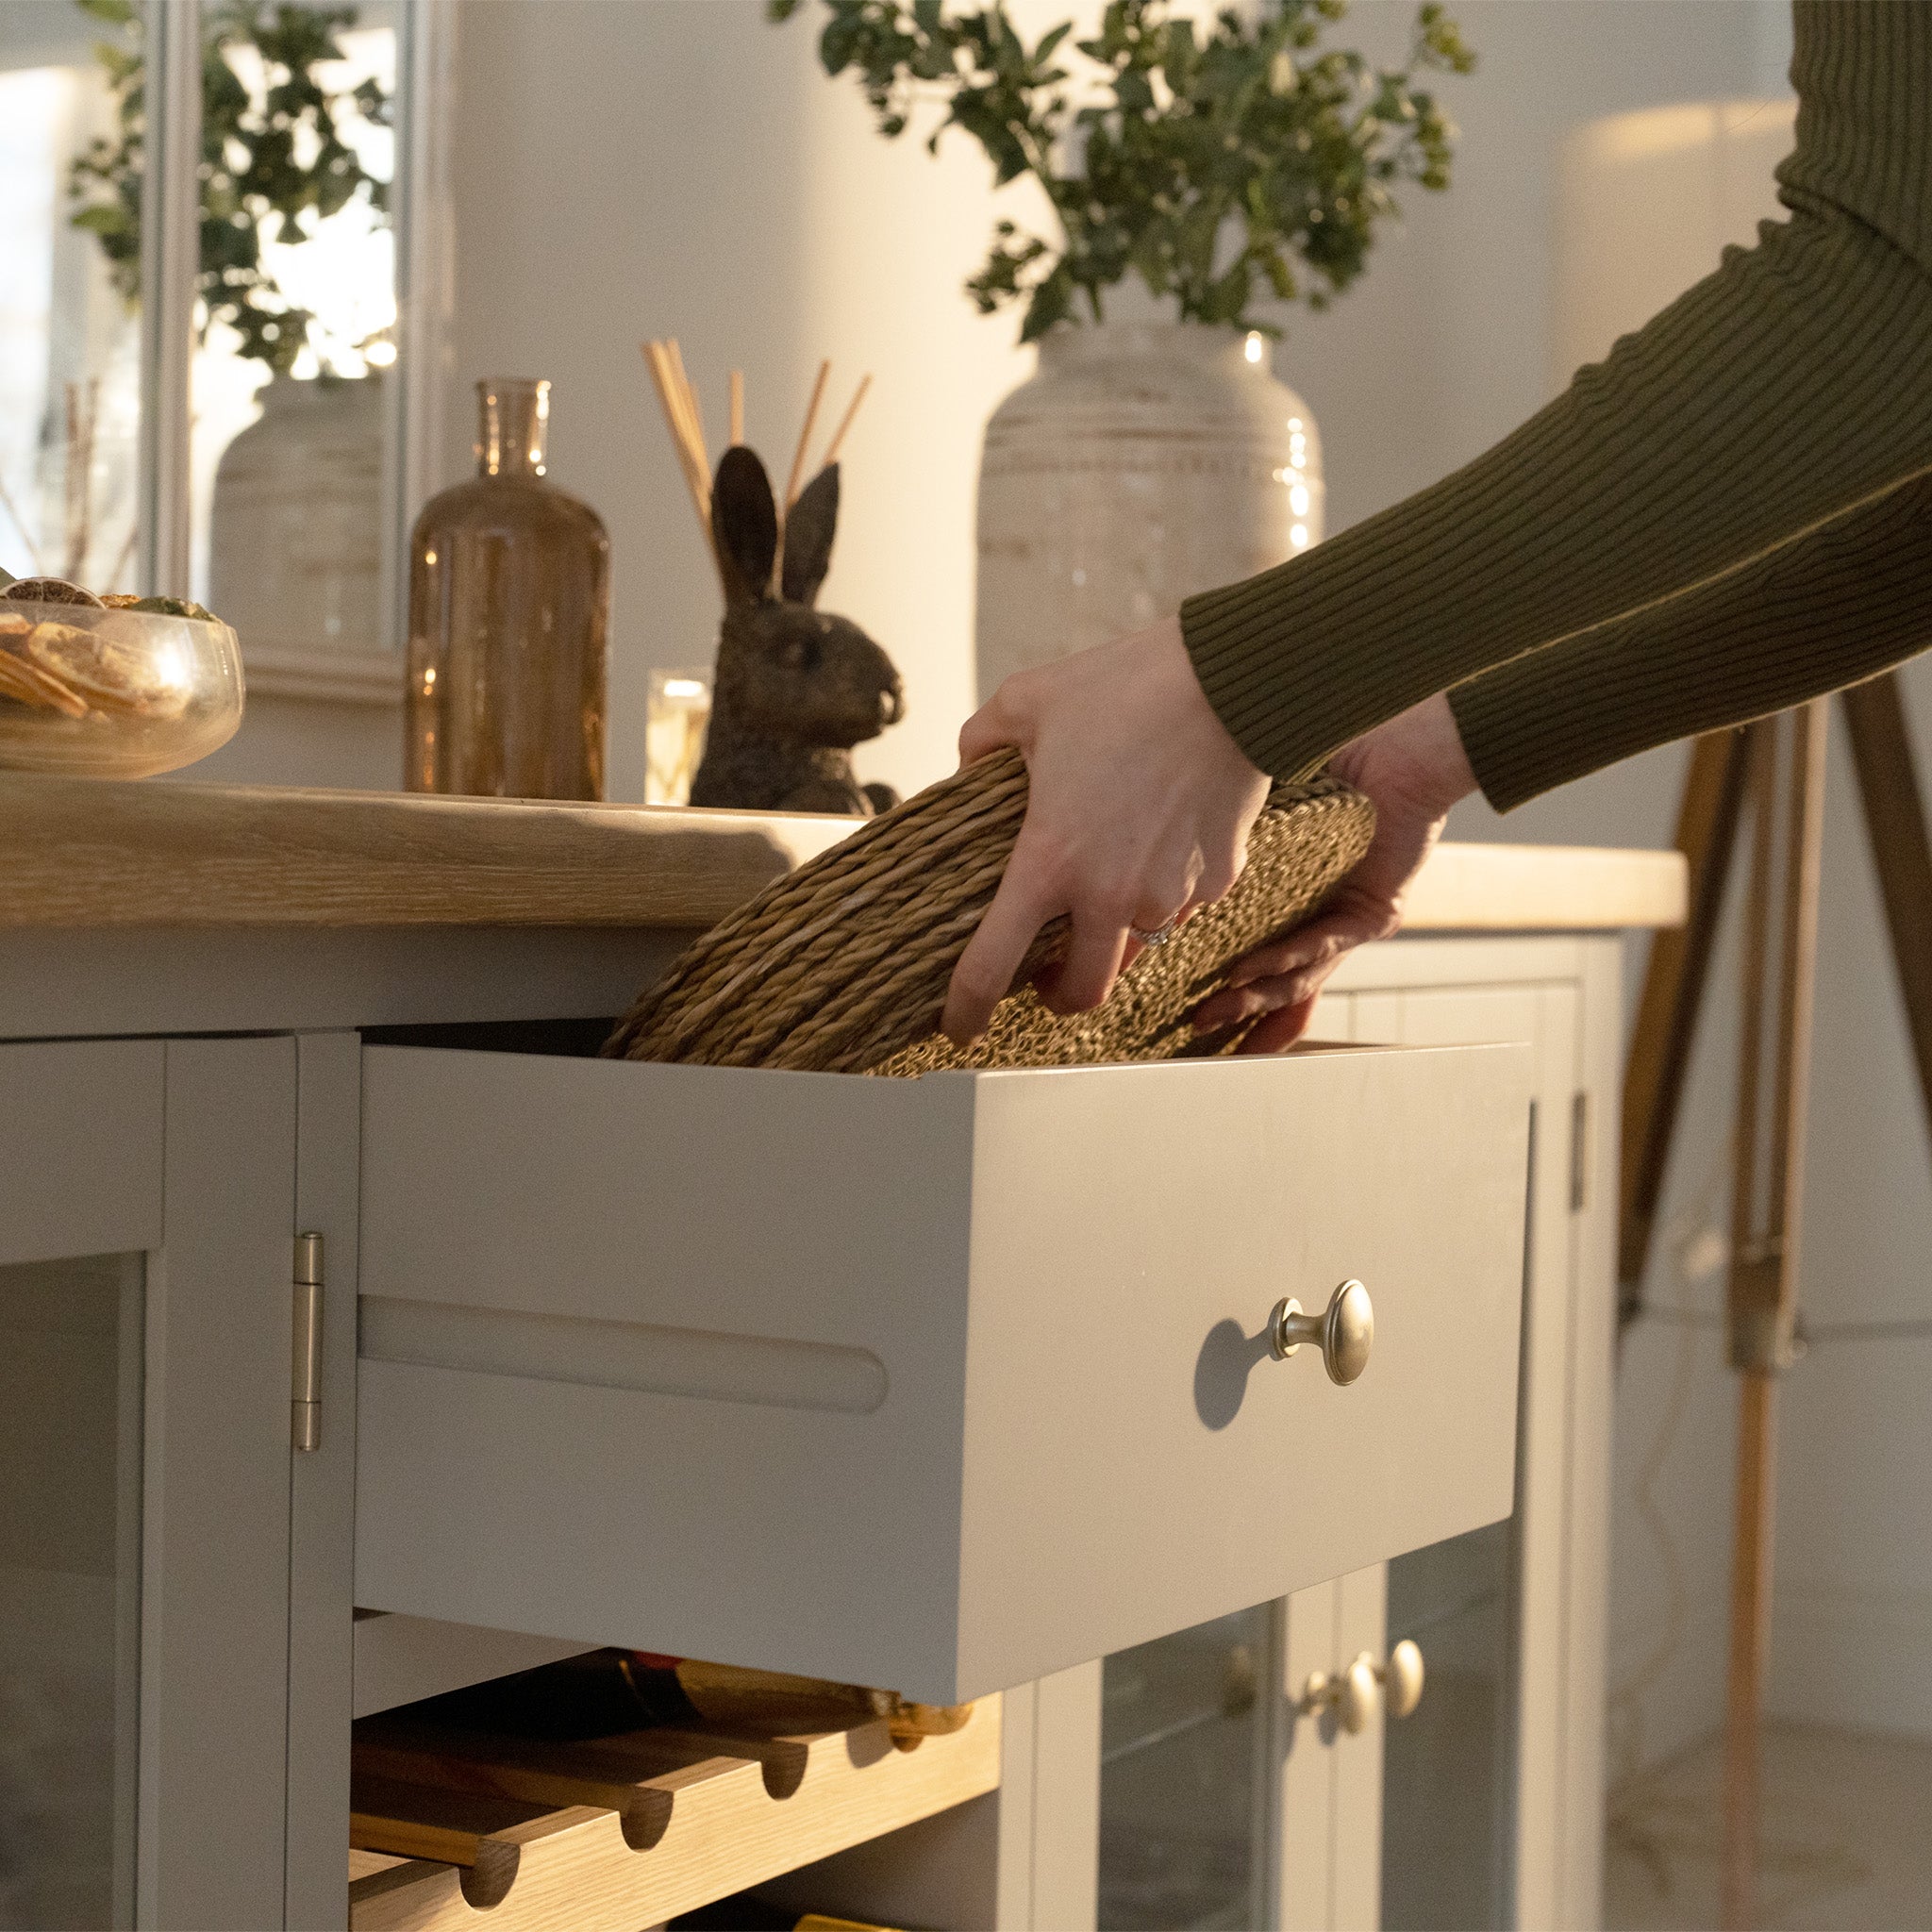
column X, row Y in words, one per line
column 113, row 694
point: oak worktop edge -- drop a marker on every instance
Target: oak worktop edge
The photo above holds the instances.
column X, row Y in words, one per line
column 83, row 854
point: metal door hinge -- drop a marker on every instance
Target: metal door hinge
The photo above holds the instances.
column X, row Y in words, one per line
column 1579, row 1152
column 305, row 1362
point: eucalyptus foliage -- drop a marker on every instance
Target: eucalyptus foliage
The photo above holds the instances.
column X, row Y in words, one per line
column 1222, row 167
column 266, row 167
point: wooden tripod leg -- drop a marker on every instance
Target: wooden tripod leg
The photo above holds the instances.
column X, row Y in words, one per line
column 1754, row 1516
column 1895, row 821
column 1751, row 1520
column 1672, row 992
column 1764, row 1253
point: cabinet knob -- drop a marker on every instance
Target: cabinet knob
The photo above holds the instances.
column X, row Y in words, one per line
column 1356, row 1693
column 1344, row 1331
column 1403, row 1677
column 1352, row 1695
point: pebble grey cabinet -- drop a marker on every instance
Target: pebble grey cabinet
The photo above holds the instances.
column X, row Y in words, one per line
column 955, row 1385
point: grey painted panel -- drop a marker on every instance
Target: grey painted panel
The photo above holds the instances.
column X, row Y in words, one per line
column 56, row 982
column 323, row 1499
column 400, row 1659
column 215, row 1603
column 80, row 1148
column 1066, row 1800
column 810, row 1209
column 793, row 1539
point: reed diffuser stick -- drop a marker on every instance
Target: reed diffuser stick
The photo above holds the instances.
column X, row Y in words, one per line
column 694, row 415
column 691, row 432
column 838, row 441
column 690, row 438
column 736, row 407
column 689, row 453
column 656, row 360
column 811, row 417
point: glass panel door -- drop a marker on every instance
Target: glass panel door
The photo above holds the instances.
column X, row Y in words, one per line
column 1186, row 1782
column 71, row 171
column 1447, row 1768
column 71, row 1356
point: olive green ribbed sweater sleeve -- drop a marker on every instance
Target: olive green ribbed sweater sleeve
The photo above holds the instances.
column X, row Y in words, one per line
column 1848, row 596
column 1739, row 425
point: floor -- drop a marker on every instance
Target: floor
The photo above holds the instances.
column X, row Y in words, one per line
column 1847, row 1841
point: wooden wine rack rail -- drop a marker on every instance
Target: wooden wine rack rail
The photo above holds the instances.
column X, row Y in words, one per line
column 456, row 1829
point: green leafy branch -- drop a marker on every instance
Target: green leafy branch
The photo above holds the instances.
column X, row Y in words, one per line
column 273, row 167
column 1220, row 169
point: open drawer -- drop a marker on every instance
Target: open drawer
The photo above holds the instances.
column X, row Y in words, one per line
column 939, row 1385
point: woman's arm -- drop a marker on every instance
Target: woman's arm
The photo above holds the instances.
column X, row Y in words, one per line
column 1793, row 382
column 1835, row 604
column 1827, row 606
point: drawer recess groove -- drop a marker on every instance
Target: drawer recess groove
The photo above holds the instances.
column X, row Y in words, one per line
column 768, row 1371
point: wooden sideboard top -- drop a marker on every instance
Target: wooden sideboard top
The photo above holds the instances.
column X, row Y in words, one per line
column 86, row 853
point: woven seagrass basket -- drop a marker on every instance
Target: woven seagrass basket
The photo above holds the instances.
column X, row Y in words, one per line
column 842, row 965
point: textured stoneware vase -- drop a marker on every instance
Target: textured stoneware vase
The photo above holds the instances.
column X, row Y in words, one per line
column 295, row 534
column 1144, row 461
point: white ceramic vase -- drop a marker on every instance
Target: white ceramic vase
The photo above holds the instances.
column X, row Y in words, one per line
column 1142, row 462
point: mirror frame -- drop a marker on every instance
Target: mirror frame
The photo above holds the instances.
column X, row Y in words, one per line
column 414, row 406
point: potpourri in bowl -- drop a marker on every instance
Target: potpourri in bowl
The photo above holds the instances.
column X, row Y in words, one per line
column 112, row 687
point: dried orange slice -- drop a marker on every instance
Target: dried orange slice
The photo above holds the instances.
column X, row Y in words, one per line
column 111, row 675
column 27, row 683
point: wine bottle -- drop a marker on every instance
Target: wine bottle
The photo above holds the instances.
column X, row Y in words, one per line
column 606, row 1692
column 724, row 1693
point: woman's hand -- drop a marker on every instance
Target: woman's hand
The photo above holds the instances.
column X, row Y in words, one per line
column 1414, row 769
column 1138, row 810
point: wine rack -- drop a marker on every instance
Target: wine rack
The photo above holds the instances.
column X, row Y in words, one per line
column 455, row 1828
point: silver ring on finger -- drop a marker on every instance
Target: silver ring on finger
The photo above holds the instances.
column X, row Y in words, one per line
column 1161, row 933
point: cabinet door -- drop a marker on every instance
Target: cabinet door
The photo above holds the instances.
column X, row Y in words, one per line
column 1478, row 1810
column 80, row 1212
column 146, row 1199
column 1471, row 1787
column 1217, row 1797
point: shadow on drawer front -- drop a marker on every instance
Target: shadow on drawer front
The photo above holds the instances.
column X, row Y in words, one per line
column 940, row 1385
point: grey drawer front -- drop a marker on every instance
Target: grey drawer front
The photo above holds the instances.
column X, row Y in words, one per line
column 940, row 1384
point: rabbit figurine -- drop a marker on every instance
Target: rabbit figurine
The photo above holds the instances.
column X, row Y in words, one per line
column 793, row 690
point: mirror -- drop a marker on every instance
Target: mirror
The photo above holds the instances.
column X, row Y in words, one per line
column 71, row 195
column 202, row 367
column 295, row 342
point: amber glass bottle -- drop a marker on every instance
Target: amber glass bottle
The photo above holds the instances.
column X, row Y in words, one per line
column 510, row 600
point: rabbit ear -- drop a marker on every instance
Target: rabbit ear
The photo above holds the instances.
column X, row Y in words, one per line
column 744, row 526
column 809, row 535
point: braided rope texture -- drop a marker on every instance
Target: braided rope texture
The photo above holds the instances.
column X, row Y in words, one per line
column 842, row 965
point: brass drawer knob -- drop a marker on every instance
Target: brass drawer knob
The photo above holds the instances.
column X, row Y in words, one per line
column 1356, row 1693
column 1344, row 1331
